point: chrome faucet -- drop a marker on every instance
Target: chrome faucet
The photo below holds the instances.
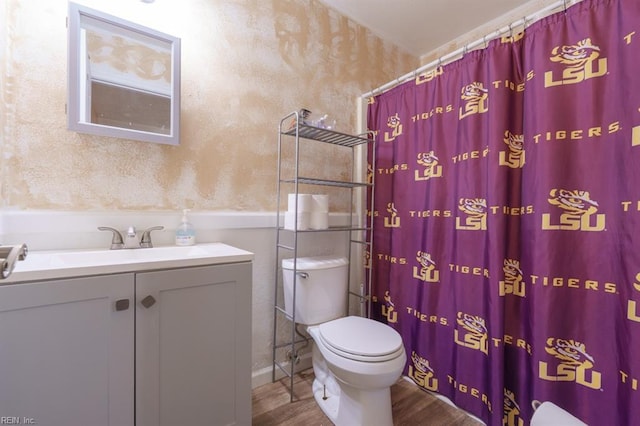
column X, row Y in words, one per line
column 130, row 241
column 116, row 241
column 145, row 241
column 9, row 255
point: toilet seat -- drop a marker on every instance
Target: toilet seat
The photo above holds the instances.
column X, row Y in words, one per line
column 361, row 339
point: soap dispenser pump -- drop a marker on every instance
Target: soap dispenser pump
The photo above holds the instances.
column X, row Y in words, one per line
column 185, row 233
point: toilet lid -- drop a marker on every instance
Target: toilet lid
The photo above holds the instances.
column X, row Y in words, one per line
column 361, row 338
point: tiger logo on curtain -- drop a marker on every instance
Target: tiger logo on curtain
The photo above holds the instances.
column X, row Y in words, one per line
column 476, row 99
column 392, row 221
column 574, row 363
column 432, row 169
column 514, row 157
column 421, row 373
column 476, row 211
column 393, row 122
column 580, row 62
column 632, row 311
column 427, row 76
column 427, row 271
column 578, row 210
column 474, row 331
column 389, row 309
column 513, row 283
column 511, row 410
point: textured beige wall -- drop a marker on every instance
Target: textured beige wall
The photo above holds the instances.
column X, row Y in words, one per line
column 487, row 31
column 245, row 64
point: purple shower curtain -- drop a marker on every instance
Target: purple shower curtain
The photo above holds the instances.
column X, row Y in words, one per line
column 507, row 220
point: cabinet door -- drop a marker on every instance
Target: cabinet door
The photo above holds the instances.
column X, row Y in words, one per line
column 193, row 346
column 66, row 353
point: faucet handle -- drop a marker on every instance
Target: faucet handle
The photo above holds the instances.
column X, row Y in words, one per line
column 116, row 241
column 22, row 251
column 145, row 241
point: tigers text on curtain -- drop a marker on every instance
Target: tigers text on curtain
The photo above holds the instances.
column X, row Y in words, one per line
column 507, row 220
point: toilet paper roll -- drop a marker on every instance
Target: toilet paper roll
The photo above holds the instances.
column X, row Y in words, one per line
column 320, row 203
column 304, row 220
column 319, row 220
column 548, row 414
column 305, row 203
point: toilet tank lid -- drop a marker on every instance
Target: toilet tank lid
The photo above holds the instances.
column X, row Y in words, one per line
column 318, row 262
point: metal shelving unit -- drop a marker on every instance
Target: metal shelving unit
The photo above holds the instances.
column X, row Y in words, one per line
column 293, row 128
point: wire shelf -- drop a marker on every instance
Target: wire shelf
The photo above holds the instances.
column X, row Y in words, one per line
column 292, row 126
column 326, row 182
column 329, row 229
column 326, row 135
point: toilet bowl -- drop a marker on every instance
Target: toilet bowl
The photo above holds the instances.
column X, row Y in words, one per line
column 355, row 360
column 365, row 357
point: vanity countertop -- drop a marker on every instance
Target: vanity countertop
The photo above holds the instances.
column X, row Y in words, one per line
column 46, row 265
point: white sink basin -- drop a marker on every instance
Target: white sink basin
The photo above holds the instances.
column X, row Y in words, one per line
column 155, row 254
column 71, row 263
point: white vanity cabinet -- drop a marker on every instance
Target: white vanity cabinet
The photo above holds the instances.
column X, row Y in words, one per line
column 193, row 346
column 66, row 353
column 151, row 347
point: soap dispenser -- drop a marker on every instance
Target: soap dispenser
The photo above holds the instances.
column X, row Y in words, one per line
column 185, row 233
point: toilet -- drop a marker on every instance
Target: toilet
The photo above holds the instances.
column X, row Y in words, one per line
column 355, row 359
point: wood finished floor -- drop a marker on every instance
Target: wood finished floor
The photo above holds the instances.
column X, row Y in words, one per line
column 411, row 406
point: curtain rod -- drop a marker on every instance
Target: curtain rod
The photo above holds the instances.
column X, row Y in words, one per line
column 470, row 46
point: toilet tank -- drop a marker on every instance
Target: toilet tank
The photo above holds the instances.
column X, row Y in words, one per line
column 321, row 288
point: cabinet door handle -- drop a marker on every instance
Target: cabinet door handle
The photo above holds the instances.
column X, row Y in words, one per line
column 148, row 301
column 122, row 304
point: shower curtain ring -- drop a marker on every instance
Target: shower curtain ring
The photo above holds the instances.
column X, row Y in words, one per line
column 565, row 5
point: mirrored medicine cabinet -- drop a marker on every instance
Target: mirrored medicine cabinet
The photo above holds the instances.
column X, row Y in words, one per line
column 124, row 78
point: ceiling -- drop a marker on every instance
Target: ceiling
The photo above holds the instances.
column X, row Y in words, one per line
column 421, row 26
